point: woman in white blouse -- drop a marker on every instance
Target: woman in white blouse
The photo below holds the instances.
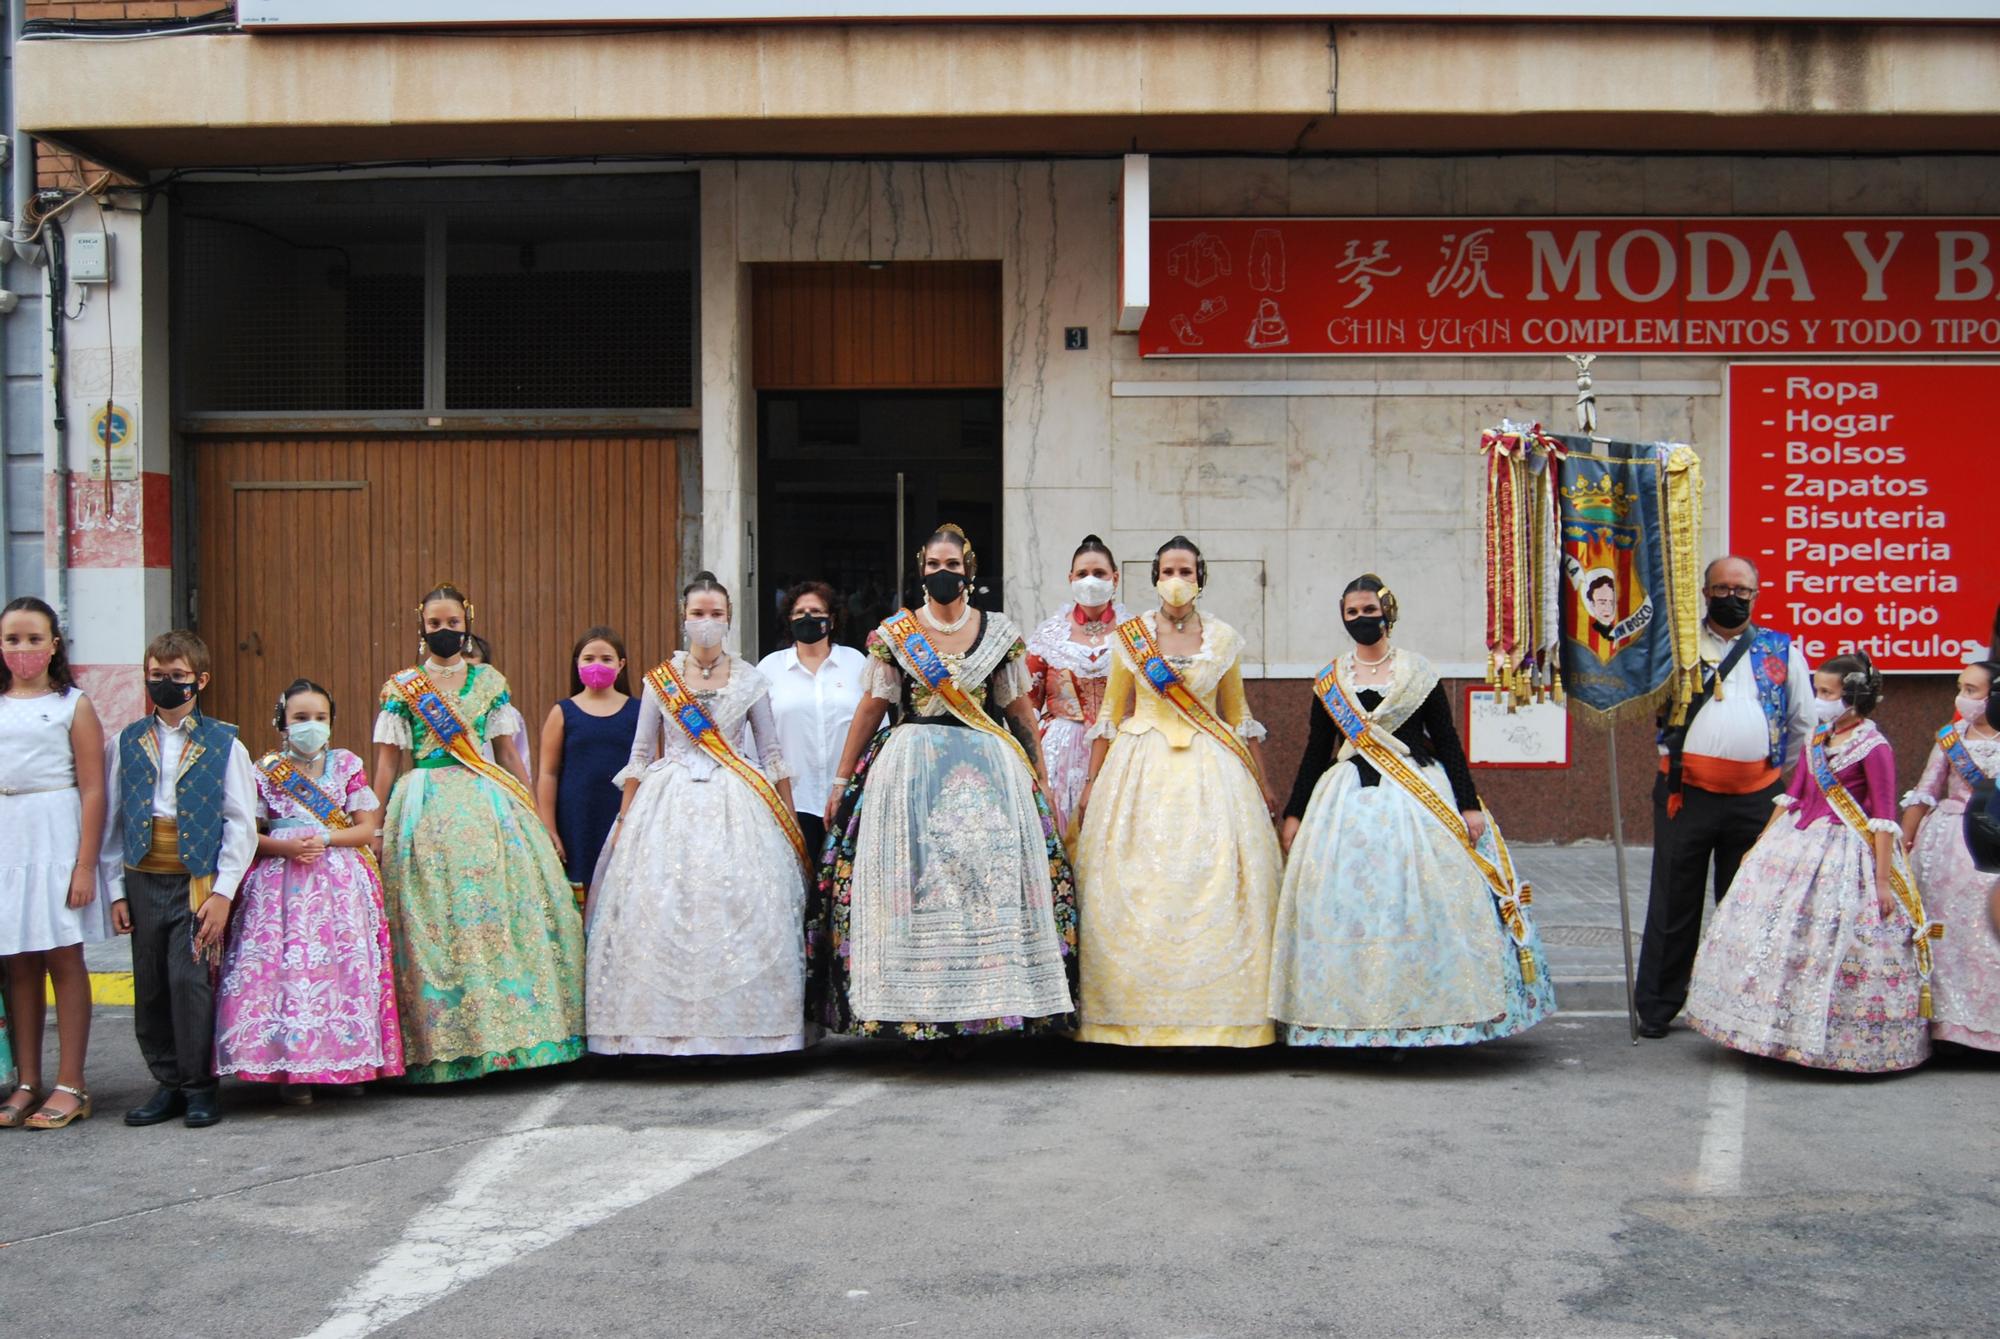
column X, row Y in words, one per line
column 815, row 687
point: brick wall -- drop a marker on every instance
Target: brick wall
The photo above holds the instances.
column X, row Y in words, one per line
column 55, row 170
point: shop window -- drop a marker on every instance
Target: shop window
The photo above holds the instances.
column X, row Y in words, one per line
column 300, row 312
column 578, row 309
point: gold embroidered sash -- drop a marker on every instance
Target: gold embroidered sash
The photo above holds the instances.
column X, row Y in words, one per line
column 435, row 710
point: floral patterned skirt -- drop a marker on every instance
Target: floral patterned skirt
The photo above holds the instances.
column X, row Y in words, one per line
column 1388, row 934
column 306, row 992
column 1799, row 964
column 1965, row 980
column 488, row 940
column 945, row 905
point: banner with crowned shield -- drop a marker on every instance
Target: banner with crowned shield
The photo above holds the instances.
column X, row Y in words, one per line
column 1629, row 518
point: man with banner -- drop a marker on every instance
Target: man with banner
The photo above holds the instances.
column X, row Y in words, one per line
column 1720, row 769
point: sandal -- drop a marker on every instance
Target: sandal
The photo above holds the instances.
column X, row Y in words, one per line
column 45, row 1120
column 14, row 1114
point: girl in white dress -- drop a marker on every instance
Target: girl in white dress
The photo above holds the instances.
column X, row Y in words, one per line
column 697, row 942
column 51, row 830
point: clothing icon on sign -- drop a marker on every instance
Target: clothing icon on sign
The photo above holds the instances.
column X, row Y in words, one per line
column 1267, row 261
column 1210, row 308
column 1268, row 330
column 1184, row 330
column 1201, row 260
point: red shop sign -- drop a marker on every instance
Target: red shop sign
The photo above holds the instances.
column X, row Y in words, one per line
column 1700, row 286
column 1856, row 488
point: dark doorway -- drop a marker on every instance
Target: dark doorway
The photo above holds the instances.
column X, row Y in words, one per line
column 831, row 466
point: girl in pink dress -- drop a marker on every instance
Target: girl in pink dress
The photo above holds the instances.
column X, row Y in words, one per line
column 1812, row 957
column 306, row 994
column 1966, row 991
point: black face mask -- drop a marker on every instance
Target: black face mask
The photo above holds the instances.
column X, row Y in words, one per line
column 809, row 629
column 445, row 643
column 943, row 586
column 1365, row 630
column 167, row 694
column 1728, row 611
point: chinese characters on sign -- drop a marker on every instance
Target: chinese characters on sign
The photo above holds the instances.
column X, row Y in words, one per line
column 1546, row 286
column 1847, row 486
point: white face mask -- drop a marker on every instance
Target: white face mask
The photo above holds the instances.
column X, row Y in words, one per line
column 707, row 633
column 1828, row 712
column 1972, row 710
column 1091, row 592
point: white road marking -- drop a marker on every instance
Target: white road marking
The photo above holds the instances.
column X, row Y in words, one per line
column 533, row 1187
column 1719, row 1170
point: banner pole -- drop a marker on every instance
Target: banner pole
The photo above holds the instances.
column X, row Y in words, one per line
column 1586, row 422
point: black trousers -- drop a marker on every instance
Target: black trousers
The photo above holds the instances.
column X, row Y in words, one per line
column 814, row 828
column 1710, row 828
column 173, row 994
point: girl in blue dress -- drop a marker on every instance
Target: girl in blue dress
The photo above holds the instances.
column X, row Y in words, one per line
column 585, row 740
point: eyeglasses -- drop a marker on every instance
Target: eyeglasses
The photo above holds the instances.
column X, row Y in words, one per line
column 1747, row 592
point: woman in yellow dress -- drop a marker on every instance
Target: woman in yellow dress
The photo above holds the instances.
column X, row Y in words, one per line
column 1178, row 863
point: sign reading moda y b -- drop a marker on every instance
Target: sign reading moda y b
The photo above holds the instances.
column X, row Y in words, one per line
column 1850, row 488
column 1273, row 287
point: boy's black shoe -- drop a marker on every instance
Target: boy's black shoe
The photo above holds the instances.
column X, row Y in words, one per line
column 1653, row 1031
column 204, row 1108
column 165, row 1104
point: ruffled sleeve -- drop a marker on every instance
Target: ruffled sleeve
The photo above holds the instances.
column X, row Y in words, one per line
column 1931, row 785
column 764, row 730
column 1117, row 704
column 1878, row 765
column 881, row 679
column 1010, row 680
column 504, row 719
column 357, row 797
column 1234, row 705
column 392, row 727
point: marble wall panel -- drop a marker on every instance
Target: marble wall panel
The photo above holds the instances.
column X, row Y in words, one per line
column 934, row 211
column 802, row 211
column 1329, row 461
column 1044, row 526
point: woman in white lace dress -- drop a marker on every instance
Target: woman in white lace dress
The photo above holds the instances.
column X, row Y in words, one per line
column 1069, row 662
column 696, row 943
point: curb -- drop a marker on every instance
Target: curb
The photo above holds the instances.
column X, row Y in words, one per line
column 110, row 988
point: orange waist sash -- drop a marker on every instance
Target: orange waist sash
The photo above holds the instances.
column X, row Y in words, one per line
column 1724, row 776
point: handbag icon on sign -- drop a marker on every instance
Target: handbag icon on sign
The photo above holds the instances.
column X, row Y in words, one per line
column 1268, row 329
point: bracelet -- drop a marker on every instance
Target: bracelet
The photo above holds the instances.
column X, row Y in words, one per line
column 840, row 782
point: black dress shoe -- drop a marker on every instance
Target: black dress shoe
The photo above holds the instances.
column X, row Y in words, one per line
column 163, row 1105
column 1653, row 1031
column 204, row 1108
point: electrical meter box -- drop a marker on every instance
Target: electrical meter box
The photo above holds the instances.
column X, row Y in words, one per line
column 90, row 257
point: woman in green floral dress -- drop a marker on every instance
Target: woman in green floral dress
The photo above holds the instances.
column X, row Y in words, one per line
column 488, row 942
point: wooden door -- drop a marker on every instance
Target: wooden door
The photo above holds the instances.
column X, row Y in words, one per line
column 311, row 554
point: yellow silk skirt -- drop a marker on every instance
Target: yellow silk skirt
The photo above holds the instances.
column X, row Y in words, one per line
column 1178, row 873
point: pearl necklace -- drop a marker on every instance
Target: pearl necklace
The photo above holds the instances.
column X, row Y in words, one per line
column 435, row 670
column 946, row 628
column 1372, row 668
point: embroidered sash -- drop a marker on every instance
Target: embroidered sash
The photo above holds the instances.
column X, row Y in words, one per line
column 918, row 656
column 1952, row 740
column 1160, row 676
column 431, row 707
column 1510, row 895
column 1900, row 883
column 695, row 722
column 311, row 796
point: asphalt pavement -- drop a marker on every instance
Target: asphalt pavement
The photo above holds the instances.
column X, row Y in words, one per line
column 1564, row 1183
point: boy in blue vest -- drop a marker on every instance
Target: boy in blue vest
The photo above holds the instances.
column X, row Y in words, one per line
column 182, row 832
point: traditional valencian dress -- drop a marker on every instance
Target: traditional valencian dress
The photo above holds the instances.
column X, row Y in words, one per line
column 488, row 940
column 945, row 904
column 1067, row 680
column 1391, row 932
column 1798, row 963
column 306, row 993
column 1178, row 860
column 1966, row 988
column 696, row 932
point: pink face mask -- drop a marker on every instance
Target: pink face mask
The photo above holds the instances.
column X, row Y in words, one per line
column 597, row 674
column 1972, row 710
column 28, row 664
